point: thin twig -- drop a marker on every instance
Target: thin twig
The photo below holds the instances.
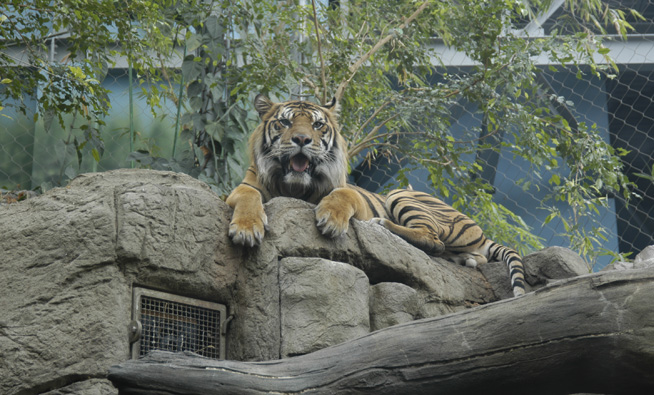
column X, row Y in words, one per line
column 166, row 77
column 407, row 154
column 371, row 136
column 376, row 145
column 322, row 61
column 316, row 90
column 373, row 116
column 373, row 132
column 364, row 26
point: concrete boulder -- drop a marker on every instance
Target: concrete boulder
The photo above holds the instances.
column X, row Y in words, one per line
column 392, row 304
column 322, row 303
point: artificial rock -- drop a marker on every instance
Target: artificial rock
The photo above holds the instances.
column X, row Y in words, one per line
column 72, row 256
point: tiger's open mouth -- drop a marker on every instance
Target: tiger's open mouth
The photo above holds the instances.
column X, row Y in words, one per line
column 299, row 163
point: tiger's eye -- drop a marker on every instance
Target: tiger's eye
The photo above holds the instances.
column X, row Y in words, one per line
column 318, row 125
column 285, row 122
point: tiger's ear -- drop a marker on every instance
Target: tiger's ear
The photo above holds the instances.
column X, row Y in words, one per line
column 333, row 106
column 262, row 104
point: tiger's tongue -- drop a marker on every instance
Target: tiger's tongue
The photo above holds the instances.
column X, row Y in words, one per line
column 299, row 163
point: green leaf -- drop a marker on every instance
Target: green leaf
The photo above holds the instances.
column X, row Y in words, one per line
column 215, row 130
column 191, row 69
column 70, row 172
column 235, row 167
column 193, row 42
column 143, row 157
column 214, row 27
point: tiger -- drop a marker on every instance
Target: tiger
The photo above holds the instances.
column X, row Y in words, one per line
column 297, row 151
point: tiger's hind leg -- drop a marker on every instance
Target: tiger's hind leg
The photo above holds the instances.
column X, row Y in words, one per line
column 438, row 229
column 412, row 220
column 426, row 240
column 420, row 237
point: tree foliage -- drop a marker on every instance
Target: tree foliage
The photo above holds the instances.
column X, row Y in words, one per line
column 376, row 57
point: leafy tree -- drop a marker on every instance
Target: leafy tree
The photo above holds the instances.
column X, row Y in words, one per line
column 374, row 56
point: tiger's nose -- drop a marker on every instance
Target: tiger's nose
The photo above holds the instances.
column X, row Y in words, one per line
column 301, row 140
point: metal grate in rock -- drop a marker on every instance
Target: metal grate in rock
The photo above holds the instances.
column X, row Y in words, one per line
column 174, row 323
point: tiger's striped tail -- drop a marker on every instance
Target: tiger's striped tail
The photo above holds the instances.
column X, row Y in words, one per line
column 498, row 252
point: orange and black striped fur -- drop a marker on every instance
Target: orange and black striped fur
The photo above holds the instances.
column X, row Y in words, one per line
column 297, row 151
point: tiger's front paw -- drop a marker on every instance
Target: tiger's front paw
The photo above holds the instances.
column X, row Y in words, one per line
column 248, row 228
column 333, row 221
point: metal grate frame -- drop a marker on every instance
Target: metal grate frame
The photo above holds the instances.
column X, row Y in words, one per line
column 163, row 321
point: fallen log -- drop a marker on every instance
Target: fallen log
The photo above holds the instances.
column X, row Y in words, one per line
column 593, row 333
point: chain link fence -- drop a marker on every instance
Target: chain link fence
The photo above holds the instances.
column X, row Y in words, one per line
column 621, row 107
column 32, row 157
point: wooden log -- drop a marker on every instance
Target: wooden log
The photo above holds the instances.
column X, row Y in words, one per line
column 592, row 333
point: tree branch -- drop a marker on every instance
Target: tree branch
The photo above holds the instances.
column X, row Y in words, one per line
column 367, row 122
column 371, row 136
column 322, row 61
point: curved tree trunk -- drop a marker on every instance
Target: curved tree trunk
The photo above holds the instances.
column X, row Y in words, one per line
column 593, row 333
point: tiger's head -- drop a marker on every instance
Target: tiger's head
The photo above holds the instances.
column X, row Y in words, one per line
column 297, row 149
